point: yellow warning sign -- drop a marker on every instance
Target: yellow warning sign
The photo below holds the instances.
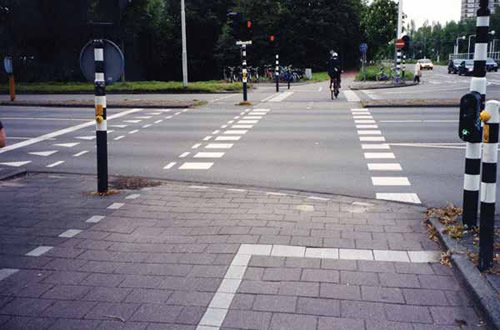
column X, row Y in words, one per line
column 99, row 110
column 486, row 133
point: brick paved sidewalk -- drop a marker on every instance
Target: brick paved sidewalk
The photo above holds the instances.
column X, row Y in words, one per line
column 190, row 257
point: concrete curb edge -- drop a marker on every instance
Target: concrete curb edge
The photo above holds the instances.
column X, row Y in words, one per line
column 109, row 105
column 477, row 286
column 360, row 88
column 12, row 174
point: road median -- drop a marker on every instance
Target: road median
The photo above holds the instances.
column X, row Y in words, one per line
column 148, row 104
column 363, row 85
column 412, row 103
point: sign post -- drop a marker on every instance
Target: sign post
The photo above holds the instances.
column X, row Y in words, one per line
column 244, row 79
column 9, row 69
column 363, row 48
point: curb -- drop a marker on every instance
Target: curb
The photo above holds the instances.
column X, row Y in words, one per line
column 477, row 286
column 356, row 88
column 11, row 174
column 421, row 105
column 92, row 105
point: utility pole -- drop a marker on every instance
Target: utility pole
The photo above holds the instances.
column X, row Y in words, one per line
column 184, row 45
column 398, row 37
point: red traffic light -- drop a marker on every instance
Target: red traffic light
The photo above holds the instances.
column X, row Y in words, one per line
column 271, row 38
column 249, row 24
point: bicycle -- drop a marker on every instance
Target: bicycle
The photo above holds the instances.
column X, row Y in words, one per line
column 334, row 87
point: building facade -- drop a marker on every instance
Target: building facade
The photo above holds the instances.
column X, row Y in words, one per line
column 470, row 7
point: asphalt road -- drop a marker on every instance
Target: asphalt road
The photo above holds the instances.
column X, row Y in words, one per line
column 298, row 139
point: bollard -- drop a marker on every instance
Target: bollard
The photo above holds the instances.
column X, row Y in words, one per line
column 245, row 72
column 490, row 118
column 277, row 73
column 100, row 118
column 398, row 65
column 472, row 178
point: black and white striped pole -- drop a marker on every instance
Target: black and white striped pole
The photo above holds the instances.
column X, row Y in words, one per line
column 473, row 148
column 398, row 64
column 404, row 67
column 245, row 72
column 100, row 118
column 490, row 118
column 277, row 73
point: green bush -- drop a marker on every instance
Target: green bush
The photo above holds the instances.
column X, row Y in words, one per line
column 373, row 70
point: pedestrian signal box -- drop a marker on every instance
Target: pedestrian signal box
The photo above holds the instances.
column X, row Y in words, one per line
column 469, row 127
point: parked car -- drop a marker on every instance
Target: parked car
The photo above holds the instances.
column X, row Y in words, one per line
column 491, row 65
column 453, row 66
column 466, row 68
column 425, row 63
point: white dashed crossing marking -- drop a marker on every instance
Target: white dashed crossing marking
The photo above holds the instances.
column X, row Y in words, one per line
column 400, row 197
column 227, row 138
column 43, row 153
column 196, row 166
column 16, row 164
column 219, row 146
column 55, row 164
column 390, row 181
column 70, row 233
column 379, row 155
column 95, row 219
column 169, row 165
column 39, row 251
column 384, row 167
column 209, row 155
column 67, row 145
column 81, row 153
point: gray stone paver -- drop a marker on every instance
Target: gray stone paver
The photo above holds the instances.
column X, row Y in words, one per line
column 157, row 262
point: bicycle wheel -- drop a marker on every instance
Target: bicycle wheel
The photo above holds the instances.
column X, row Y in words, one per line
column 336, row 87
column 331, row 89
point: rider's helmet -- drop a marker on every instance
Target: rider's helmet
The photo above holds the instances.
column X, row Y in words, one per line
column 333, row 53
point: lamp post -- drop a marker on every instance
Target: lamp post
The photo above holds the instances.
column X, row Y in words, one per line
column 468, row 47
column 184, row 46
column 456, row 43
column 491, row 33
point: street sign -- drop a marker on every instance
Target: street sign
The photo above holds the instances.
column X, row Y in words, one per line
column 363, row 47
column 240, row 43
column 400, row 43
column 7, row 64
column 114, row 62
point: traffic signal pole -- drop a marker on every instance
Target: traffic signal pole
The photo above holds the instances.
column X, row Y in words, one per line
column 277, row 73
column 473, row 149
column 398, row 37
column 245, row 71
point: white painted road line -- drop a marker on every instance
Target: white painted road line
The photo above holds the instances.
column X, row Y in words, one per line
column 118, row 126
column 390, row 181
column 280, row 97
column 209, row 155
column 206, row 138
column 95, row 219
column 369, row 132
column 248, row 121
column 196, row 146
column 418, row 121
column 362, row 117
column 366, row 126
column 379, row 155
column 134, row 131
column 215, row 132
column 39, row 251
column 115, row 206
column 227, row 138
column 87, row 138
column 119, row 137
column 62, row 132
column 252, row 117
column 70, row 233
column 406, row 197
column 147, row 126
column 81, row 153
column 372, row 139
column 242, row 126
column 55, row 164
column 384, row 167
column 184, row 154
column 169, row 165
column 16, row 164
column 43, row 153
column 159, row 121
column 219, row 146
column 364, row 121
column 351, row 96
column 196, row 166
column 132, row 121
column 6, row 272
column 142, row 117
column 381, row 146
column 235, row 132
column 133, row 196
column 66, row 145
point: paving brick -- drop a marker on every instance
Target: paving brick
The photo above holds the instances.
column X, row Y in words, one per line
column 69, row 309
column 103, row 311
column 66, row 277
column 99, row 266
column 186, row 298
column 282, row 274
column 247, row 320
column 442, row 269
column 31, row 290
column 399, row 280
column 293, row 322
column 449, row 315
column 406, row 313
column 346, row 243
column 291, row 262
column 376, row 266
column 457, row 298
column 413, row 268
column 331, row 323
column 307, row 241
column 339, row 264
column 274, row 303
column 358, row 278
column 340, row 291
column 425, row 297
column 28, row 323
column 208, row 271
column 69, row 292
column 108, row 280
column 107, row 294
column 299, row 289
column 141, row 281
column 380, row 294
column 242, row 301
column 318, row 306
column 271, row 239
column 148, row 296
column 371, row 244
column 320, row 275
column 438, row 282
column 157, row 313
column 362, row 310
column 253, row 274
column 266, row 261
column 190, row 315
column 388, row 325
column 118, row 325
column 68, row 324
column 258, row 287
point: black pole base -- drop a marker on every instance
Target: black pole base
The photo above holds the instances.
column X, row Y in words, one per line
column 102, row 161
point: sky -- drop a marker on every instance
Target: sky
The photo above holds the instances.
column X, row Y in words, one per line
column 432, row 10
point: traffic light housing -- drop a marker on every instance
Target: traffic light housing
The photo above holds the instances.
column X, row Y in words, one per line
column 240, row 28
column 469, row 126
column 406, row 47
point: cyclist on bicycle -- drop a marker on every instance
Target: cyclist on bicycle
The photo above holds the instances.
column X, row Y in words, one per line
column 334, row 67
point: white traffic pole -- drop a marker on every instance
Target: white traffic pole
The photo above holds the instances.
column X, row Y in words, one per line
column 184, row 45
